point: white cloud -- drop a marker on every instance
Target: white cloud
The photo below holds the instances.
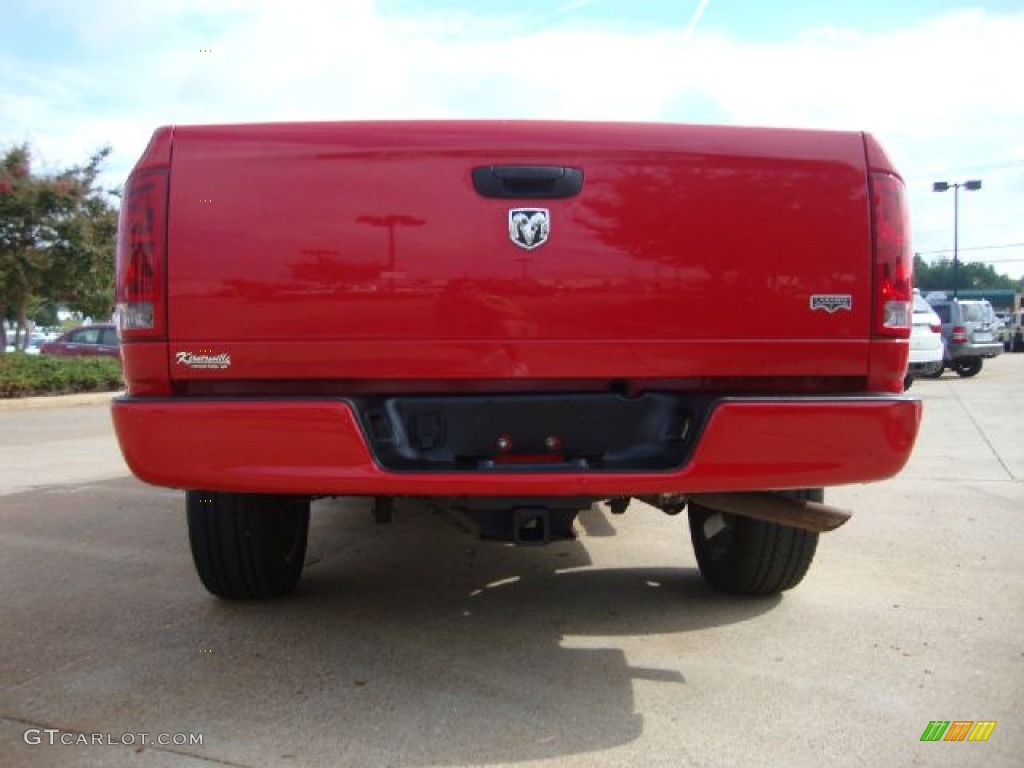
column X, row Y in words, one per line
column 942, row 95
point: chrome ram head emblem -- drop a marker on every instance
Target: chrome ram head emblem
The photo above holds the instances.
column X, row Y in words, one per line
column 529, row 227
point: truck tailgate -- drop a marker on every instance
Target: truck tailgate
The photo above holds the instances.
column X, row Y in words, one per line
column 355, row 250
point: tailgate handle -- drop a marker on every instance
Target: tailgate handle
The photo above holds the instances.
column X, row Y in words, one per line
column 519, row 181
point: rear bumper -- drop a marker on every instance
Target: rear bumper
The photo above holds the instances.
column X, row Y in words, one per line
column 926, row 355
column 988, row 349
column 316, row 446
column 923, row 369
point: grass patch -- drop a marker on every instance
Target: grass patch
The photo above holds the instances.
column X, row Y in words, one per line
column 24, row 375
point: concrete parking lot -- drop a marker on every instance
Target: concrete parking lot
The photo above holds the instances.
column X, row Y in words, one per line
column 415, row 644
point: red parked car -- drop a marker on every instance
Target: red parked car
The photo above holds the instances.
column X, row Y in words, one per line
column 86, row 341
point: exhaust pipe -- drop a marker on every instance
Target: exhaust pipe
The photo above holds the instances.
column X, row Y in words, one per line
column 775, row 508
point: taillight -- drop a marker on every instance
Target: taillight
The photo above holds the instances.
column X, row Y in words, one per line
column 959, row 334
column 936, row 328
column 893, row 263
column 141, row 247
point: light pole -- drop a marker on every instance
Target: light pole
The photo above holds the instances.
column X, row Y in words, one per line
column 390, row 222
column 944, row 186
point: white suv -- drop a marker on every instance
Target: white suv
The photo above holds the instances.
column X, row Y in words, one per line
column 926, row 346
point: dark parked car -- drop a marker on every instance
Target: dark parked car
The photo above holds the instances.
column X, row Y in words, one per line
column 1015, row 332
column 86, row 341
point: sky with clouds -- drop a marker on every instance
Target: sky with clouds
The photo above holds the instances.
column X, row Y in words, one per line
column 938, row 81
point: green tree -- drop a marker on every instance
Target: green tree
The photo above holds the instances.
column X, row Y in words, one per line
column 939, row 276
column 57, row 235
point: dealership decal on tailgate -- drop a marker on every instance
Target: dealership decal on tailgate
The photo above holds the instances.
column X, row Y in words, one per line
column 204, row 359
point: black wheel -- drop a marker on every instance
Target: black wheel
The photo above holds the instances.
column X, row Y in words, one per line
column 967, row 367
column 744, row 556
column 247, row 546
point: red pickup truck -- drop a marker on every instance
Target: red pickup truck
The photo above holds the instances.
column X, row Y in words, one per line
column 525, row 317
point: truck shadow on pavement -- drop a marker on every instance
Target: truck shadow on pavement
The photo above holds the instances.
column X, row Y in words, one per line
column 427, row 646
column 408, row 644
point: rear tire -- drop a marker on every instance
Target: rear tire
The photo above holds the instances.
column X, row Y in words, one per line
column 968, row 367
column 247, row 546
column 743, row 556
